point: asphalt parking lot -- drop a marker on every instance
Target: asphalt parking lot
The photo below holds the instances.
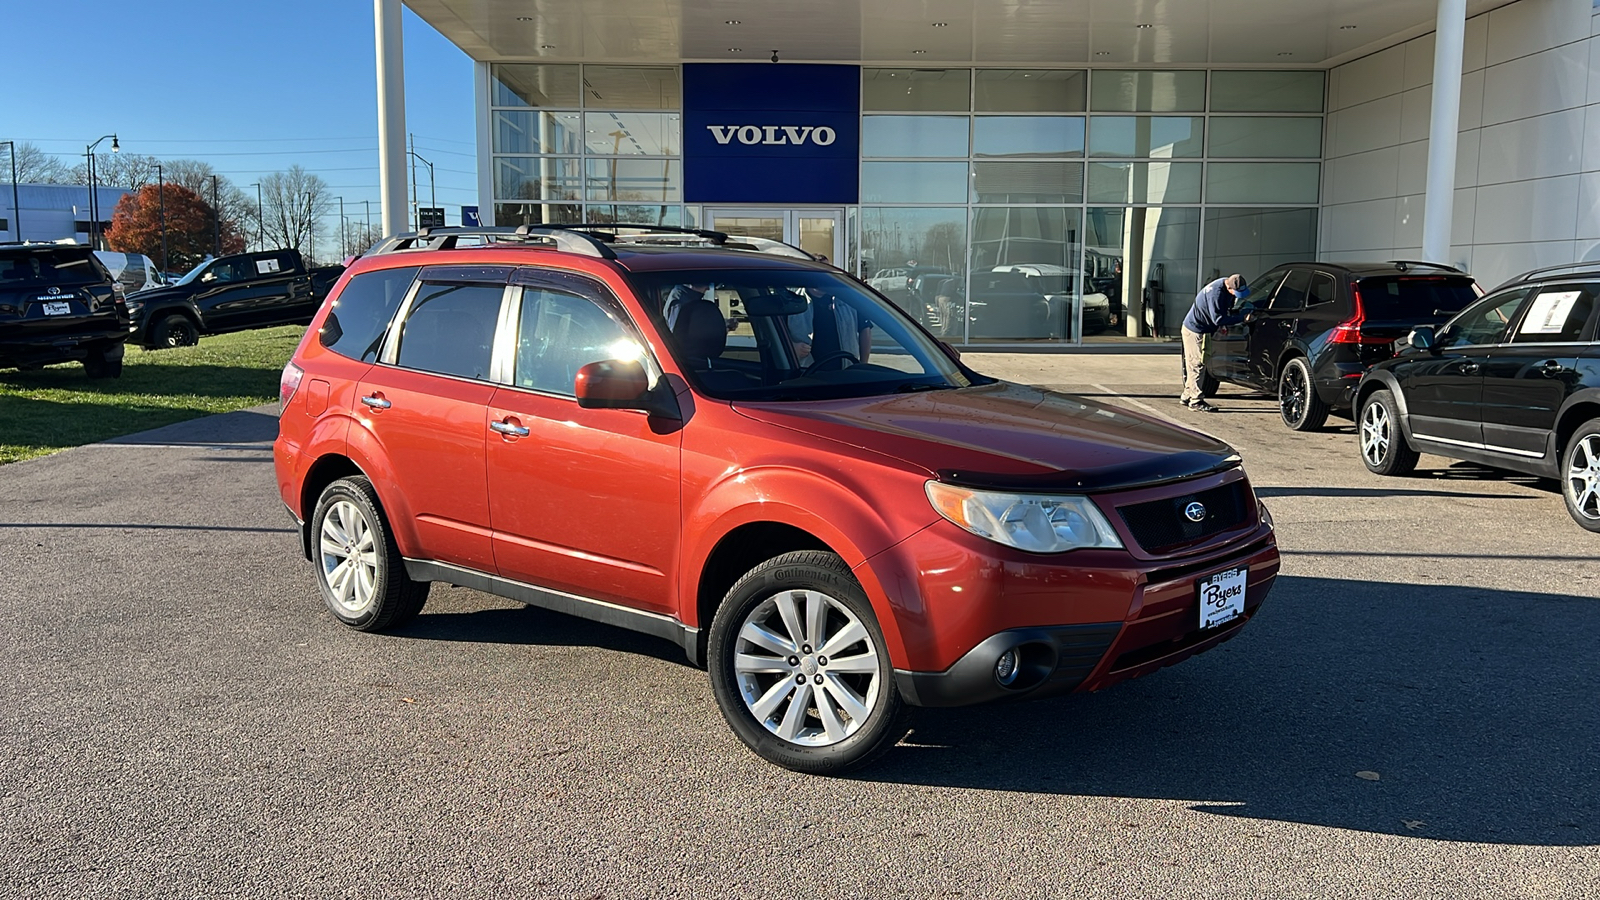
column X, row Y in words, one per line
column 1412, row 715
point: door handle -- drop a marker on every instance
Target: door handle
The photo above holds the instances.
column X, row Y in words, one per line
column 376, row 401
column 1550, row 368
column 506, row 428
column 1469, row 368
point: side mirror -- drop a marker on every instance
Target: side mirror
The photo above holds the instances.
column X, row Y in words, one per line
column 1423, row 338
column 623, row 384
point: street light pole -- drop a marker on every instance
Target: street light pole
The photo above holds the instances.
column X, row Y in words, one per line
column 161, row 192
column 343, row 250
column 94, row 201
column 216, row 220
column 433, row 197
column 16, row 205
column 261, row 217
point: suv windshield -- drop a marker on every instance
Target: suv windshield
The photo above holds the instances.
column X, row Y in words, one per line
column 51, row 267
column 795, row 334
column 1415, row 298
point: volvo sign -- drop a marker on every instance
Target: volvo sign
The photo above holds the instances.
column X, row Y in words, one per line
column 771, row 134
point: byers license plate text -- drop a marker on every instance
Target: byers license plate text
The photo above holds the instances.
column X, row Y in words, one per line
column 1222, row 597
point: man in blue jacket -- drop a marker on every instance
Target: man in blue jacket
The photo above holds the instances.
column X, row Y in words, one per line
column 1213, row 309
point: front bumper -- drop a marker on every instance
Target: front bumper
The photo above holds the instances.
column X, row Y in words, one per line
column 1081, row 621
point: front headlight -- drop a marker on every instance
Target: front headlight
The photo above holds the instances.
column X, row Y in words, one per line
column 1037, row 523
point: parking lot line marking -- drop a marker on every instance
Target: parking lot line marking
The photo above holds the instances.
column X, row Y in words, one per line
column 1144, row 406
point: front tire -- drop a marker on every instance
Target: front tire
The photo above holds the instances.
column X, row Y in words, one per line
column 174, row 330
column 800, row 668
column 1383, row 445
column 359, row 567
column 1580, row 480
column 1298, row 403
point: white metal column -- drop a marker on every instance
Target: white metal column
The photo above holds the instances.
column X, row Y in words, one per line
column 482, row 94
column 1439, row 205
column 391, row 114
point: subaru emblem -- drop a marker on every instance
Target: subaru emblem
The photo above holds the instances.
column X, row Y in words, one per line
column 54, row 290
column 1195, row 512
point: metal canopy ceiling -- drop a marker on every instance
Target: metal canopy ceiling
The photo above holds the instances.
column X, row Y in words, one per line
column 1314, row 33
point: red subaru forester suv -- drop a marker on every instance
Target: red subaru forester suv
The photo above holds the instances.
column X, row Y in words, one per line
column 758, row 457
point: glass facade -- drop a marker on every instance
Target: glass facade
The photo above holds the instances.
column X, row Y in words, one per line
column 997, row 205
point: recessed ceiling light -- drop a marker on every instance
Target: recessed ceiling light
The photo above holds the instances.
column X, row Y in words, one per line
column 1286, row 53
column 1145, row 25
column 524, row 18
column 1102, row 53
column 919, row 52
column 735, row 49
column 941, row 24
column 547, row 46
column 1347, row 28
column 731, row 22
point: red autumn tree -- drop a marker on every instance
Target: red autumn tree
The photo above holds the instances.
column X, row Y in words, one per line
column 136, row 226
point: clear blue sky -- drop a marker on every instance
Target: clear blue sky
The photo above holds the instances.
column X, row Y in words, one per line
column 251, row 88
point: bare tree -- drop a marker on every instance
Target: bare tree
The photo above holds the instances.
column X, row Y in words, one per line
column 129, row 170
column 359, row 237
column 34, row 166
column 292, row 205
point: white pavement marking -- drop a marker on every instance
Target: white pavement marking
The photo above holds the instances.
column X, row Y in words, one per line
column 1144, row 406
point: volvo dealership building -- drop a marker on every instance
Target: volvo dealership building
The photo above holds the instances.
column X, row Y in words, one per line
column 1110, row 156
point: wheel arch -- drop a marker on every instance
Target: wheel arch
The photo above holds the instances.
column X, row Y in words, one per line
column 184, row 309
column 1379, row 380
column 1579, row 408
column 325, row 471
column 738, row 551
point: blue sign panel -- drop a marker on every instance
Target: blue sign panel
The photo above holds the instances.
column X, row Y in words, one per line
column 774, row 134
column 469, row 216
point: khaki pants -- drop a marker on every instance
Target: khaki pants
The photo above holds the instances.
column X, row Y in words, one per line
column 1194, row 357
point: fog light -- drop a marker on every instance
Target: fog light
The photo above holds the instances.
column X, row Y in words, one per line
column 1005, row 669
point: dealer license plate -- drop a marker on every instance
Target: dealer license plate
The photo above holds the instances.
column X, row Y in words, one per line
column 58, row 308
column 1222, row 597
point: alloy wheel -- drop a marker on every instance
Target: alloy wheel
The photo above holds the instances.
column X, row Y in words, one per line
column 806, row 668
column 1376, row 431
column 1583, row 477
column 349, row 556
column 1292, row 397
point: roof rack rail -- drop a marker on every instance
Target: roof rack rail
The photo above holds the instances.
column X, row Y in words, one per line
column 1590, row 264
column 587, row 239
column 1404, row 264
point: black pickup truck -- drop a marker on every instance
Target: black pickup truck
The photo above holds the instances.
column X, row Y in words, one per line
column 230, row 293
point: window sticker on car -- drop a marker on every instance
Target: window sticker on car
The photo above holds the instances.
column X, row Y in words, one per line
column 266, row 266
column 1549, row 312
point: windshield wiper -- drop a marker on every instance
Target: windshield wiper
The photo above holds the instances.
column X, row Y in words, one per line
column 912, row 387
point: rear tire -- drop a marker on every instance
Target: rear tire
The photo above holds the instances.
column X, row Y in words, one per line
column 359, row 567
column 174, row 330
column 1208, row 384
column 1380, row 439
column 769, row 657
column 1580, row 479
column 1298, row 403
column 104, row 363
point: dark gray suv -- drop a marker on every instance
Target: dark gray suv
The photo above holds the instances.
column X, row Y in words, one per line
column 59, row 303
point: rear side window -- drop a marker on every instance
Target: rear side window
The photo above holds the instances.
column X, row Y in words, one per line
column 1415, row 298
column 1323, row 289
column 1293, row 293
column 361, row 313
column 46, row 267
column 450, row 329
column 1557, row 314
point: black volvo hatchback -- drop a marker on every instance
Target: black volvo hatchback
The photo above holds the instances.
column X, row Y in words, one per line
column 1512, row 382
column 1311, row 330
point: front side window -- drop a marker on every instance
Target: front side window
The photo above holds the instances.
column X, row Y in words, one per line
column 450, row 329
column 787, row 335
column 560, row 333
column 1557, row 315
column 1261, row 289
column 1484, row 322
column 360, row 315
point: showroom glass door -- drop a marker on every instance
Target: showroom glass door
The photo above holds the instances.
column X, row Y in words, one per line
column 817, row 231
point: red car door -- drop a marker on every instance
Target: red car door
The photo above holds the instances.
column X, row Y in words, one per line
column 582, row 500
column 424, row 404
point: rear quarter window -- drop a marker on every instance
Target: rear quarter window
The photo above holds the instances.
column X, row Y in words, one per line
column 1415, row 298
column 360, row 314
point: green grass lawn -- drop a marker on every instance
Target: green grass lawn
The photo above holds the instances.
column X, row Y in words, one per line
column 58, row 406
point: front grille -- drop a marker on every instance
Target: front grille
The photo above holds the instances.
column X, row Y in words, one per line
column 1161, row 525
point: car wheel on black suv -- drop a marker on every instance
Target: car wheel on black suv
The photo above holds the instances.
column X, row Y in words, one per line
column 800, row 668
column 1383, row 446
column 175, row 330
column 1298, row 403
column 104, row 363
column 1580, row 479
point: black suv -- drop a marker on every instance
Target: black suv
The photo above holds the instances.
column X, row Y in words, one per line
column 1512, row 382
column 59, row 303
column 1311, row 330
